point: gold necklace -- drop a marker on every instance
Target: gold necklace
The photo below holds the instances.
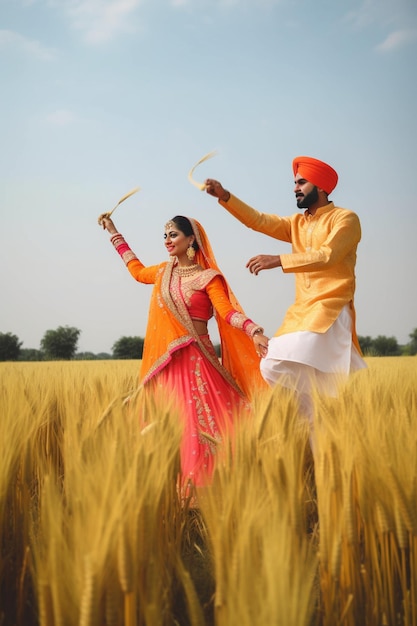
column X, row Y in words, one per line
column 189, row 270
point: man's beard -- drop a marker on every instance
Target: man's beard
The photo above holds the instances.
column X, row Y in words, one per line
column 305, row 202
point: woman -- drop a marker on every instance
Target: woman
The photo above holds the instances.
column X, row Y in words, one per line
column 178, row 355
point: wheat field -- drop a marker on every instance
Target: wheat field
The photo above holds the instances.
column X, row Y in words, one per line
column 93, row 532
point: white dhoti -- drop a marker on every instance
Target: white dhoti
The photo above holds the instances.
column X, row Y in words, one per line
column 305, row 361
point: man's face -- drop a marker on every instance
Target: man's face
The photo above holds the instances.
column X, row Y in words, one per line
column 306, row 194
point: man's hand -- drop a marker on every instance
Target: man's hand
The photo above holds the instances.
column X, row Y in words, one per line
column 214, row 188
column 263, row 262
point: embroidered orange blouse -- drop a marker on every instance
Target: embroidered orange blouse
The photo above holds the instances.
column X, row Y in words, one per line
column 170, row 324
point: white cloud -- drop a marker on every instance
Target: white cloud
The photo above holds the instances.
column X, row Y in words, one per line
column 12, row 40
column 100, row 20
column 61, row 117
column 398, row 18
column 362, row 16
column 397, row 39
column 397, row 13
column 225, row 3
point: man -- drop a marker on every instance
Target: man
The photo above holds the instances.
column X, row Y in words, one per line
column 316, row 345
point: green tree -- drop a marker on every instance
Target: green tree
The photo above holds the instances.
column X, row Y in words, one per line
column 90, row 356
column 103, row 356
column 85, row 356
column 9, row 347
column 128, row 348
column 60, row 344
column 30, row 354
column 366, row 344
column 386, row 346
column 413, row 343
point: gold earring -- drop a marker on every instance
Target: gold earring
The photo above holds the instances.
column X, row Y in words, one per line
column 190, row 252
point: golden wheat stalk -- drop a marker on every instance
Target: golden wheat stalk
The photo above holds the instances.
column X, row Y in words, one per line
column 46, row 617
column 413, row 578
column 124, row 562
column 89, row 593
column 111, row 607
column 130, row 609
column 200, row 186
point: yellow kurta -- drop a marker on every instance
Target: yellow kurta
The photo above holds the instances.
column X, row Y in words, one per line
column 323, row 260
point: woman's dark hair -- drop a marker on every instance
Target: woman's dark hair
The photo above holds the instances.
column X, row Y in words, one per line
column 184, row 225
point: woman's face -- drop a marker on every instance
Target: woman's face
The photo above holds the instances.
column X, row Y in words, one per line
column 176, row 242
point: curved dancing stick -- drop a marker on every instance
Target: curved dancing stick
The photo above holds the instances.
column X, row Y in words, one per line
column 200, row 186
column 125, row 197
column 122, row 199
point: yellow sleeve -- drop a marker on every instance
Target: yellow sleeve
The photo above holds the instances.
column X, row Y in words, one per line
column 267, row 223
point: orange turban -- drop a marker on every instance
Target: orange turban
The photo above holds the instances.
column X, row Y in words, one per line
column 316, row 172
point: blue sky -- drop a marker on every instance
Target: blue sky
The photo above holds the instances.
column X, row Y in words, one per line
column 99, row 96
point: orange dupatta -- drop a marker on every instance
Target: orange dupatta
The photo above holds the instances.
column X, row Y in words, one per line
column 168, row 332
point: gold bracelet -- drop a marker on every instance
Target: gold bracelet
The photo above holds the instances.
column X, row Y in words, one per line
column 258, row 331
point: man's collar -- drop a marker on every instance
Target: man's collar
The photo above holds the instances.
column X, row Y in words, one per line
column 321, row 210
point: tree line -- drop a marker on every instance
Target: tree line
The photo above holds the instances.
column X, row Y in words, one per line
column 61, row 345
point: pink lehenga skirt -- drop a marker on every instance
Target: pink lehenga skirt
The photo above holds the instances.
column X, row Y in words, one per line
column 209, row 405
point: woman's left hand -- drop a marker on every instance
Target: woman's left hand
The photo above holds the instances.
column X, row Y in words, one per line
column 107, row 223
column 261, row 344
